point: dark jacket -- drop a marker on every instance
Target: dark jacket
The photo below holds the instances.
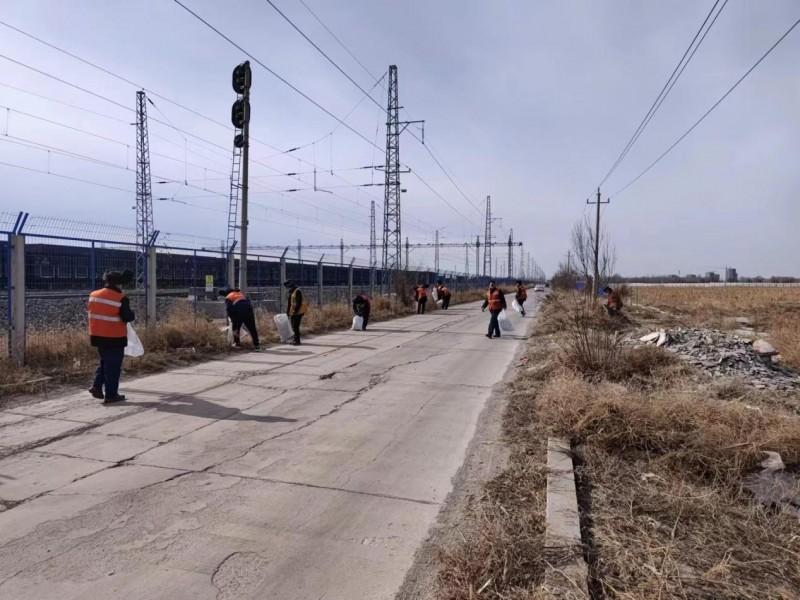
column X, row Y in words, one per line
column 361, row 305
column 239, row 310
column 126, row 315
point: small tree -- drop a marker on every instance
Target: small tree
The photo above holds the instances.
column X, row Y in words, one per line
column 583, row 242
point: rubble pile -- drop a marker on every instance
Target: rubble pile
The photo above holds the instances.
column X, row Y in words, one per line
column 729, row 355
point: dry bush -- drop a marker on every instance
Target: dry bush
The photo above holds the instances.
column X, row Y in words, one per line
column 785, row 333
column 712, row 440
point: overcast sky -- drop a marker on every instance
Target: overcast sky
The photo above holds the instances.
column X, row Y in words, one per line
column 528, row 101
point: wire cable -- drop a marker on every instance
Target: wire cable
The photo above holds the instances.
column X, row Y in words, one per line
column 664, row 91
column 709, row 111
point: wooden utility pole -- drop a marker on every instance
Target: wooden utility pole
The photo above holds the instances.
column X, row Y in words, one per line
column 596, row 279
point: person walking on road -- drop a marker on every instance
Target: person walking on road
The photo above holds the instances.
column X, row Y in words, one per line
column 240, row 312
column 444, row 294
column 109, row 312
column 421, row 292
column 495, row 302
column 295, row 309
column 361, row 308
column 520, row 297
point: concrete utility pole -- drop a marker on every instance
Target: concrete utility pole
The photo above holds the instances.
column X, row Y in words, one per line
column 477, row 256
column 511, row 254
column 341, row 252
column 466, row 260
column 240, row 117
column 436, row 254
column 299, row 252
column 407, row 250
column 596, row 281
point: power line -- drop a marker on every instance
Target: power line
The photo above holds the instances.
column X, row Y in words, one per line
column 664, row 90
column 710, row 110
column 87, row 181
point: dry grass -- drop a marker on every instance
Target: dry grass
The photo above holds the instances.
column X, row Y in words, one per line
column 772, row 309
column 665, row 457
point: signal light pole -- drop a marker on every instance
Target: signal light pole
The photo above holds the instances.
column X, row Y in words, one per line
column 240, row 117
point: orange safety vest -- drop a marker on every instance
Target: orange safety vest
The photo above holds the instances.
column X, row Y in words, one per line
column 421, row 293
column 104, row 319
column 303, row 305
column 493, row 300
column 522, row 293
column 234, row 297
column 443, row 291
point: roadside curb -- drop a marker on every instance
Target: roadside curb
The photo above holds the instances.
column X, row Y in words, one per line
column 566, row 573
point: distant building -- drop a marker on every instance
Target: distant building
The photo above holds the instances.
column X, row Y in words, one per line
column 731, row 275
column 712, row 277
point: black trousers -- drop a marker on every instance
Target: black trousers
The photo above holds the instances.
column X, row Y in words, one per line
column 494, row 325
column 295, row 319
column 106, row 377
column 421, row 305
column 446, row 301
column 246, row 317
column 365, row 315
column 521, row 303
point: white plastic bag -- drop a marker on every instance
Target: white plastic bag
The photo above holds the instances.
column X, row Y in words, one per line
column 515, row 305
column 134, row 347
column 435, row 295
column 283, row 326
column 504, row 321
column 440, row 303
column 229, row 333
column 358, row 323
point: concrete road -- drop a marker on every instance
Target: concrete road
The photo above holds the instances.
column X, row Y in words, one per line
column 296, row 473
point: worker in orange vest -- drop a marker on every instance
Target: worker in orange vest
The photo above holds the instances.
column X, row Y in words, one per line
column 521, row 296
column 422, row 297
column 495, row 302
column 443, row 293
column 109, row 311
column 296, row 308
column 240, row 311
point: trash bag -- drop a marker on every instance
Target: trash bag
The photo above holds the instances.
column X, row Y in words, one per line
column 134, row 347
column 440, row 303
column 515, row 305
column 358, row 323
column 504, row 321
column 229, row 333
column 435, row 295
column 283, row 326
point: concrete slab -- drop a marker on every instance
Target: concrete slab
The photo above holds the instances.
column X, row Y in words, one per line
column 285, row 379
column 118, row 479
column 239, row 395
column 35, row 430
column 6, row 418
column 30, row 473
column 173, row 383
column 52, row 406
column 97, row 412
column 98, row 446
column 154, row 425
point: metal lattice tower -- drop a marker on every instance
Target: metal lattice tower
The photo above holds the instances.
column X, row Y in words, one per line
column 373, row 258
column 144, row 190
column 511, row 254
column 487, row 238
column 392, row 241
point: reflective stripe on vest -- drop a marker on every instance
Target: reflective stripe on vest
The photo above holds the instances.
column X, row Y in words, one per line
column 493, row 300
column 234, row 297
column 421, row 293
column 104, row 319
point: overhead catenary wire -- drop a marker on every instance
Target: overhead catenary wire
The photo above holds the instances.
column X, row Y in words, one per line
column 665, row 90
column 709, row 111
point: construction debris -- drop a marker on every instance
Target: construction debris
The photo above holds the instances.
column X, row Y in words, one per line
column 774, row 486
column 725, row 354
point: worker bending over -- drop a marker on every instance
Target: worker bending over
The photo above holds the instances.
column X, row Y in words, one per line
column 240, row 312
column 295, row 309
column 443, row 293
column 495, row 302
column 361, row 308
column 614, row 301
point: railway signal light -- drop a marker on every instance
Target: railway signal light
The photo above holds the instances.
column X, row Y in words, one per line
column 241, row 77
column 240, row 113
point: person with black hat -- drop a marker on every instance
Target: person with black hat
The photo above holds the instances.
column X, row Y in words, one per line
column 295, row 309
column 109, row 312
column 240, row 312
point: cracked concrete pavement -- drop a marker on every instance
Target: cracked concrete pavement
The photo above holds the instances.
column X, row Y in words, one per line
column 295, row 473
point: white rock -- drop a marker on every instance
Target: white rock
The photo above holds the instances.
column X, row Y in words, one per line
column 662, row 338
column 773, row 461
column 650, row 337
column 763, row 347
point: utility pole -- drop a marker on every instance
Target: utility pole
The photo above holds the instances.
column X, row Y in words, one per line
column 341, row 252
column 407, row 261
column 391, row 205
column 569, row 261
column 466, row 260
column 240, row 117
column 596, row 281
column 487, row 237
column 299, row 252
column 436, row 254
column 144, row 191
column 511, row 254
column 522, row 273
column 477, row 256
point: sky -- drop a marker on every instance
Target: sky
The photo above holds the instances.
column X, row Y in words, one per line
column 529, row 102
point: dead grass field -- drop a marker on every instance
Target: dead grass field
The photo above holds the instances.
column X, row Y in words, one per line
column 182, row 337
column 664, row 454
column 771, row 309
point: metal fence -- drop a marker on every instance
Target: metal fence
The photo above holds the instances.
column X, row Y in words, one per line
column 46, row 279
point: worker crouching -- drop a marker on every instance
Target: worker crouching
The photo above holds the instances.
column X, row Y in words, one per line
column 109, row 312
column 361, row 308
column 240, row 312
column 444, row 294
